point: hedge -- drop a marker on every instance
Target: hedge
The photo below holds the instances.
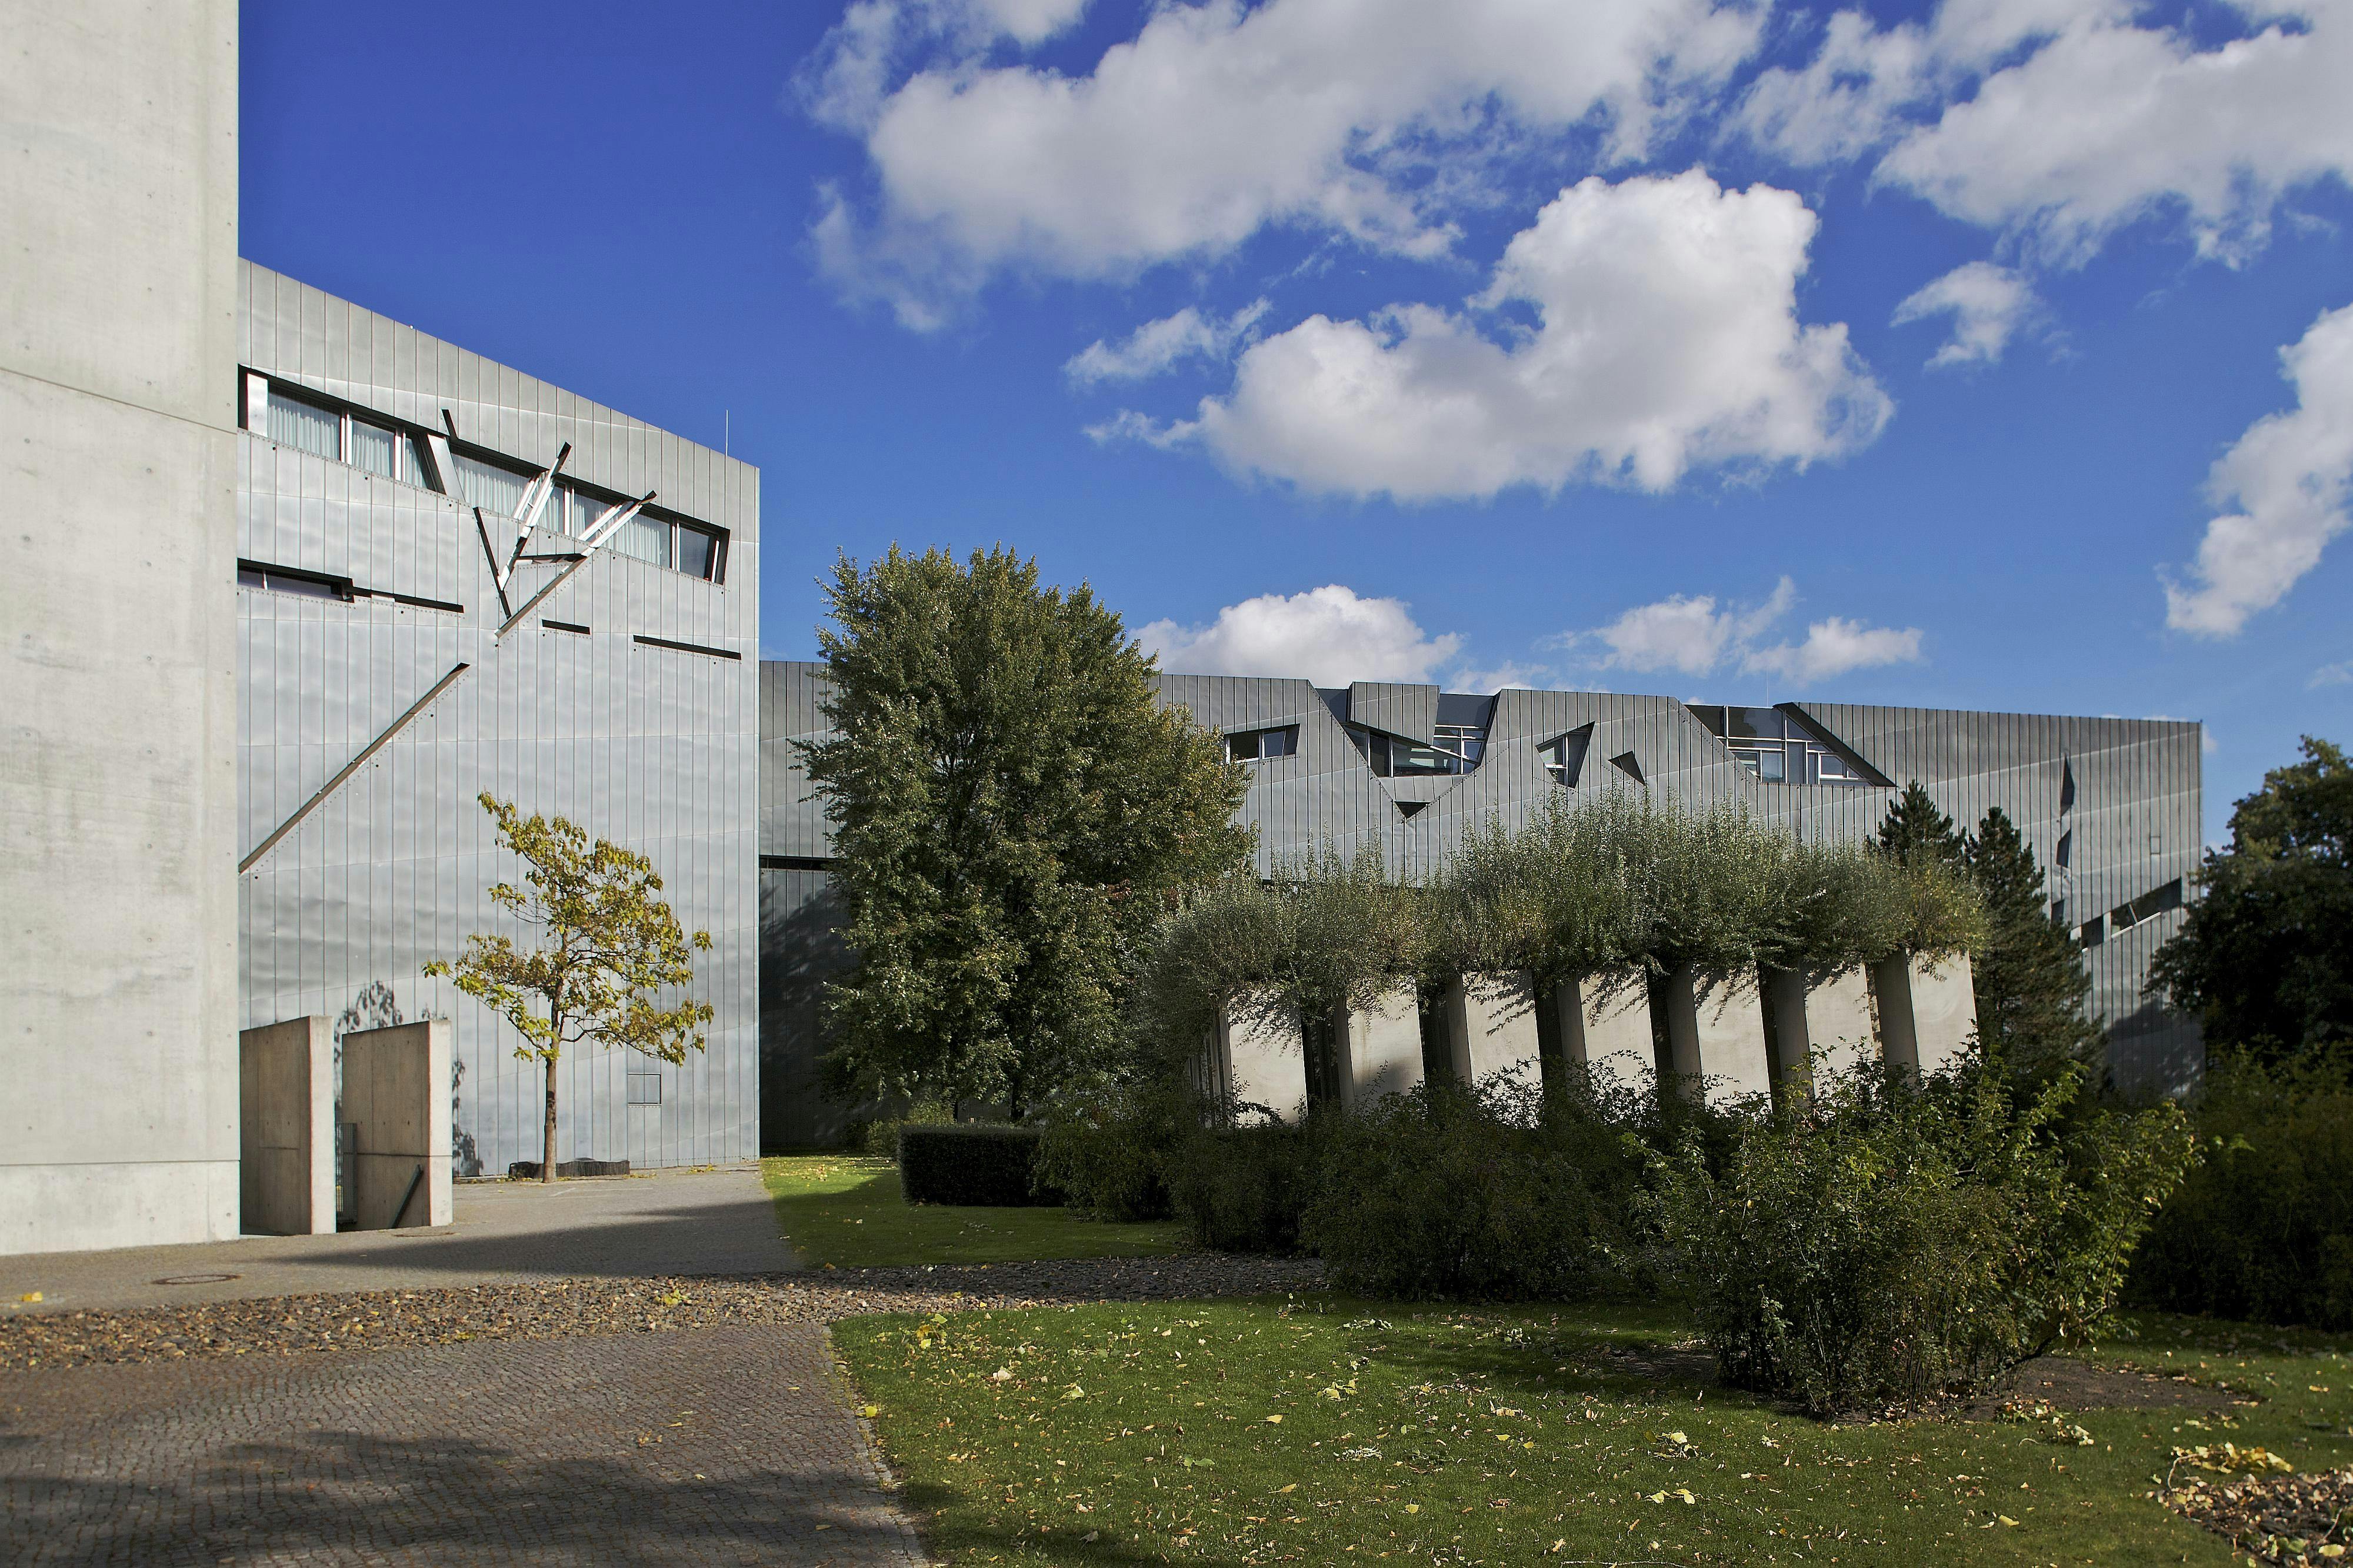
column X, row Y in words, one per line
column 972, row 1165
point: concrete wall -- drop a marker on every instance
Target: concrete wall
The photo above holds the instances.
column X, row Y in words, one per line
column 286, row 1128
column 1605, row 1029
column 118, row 931
column 1927, row 1011
column 396, row 1101
column 1715, row 1033
column 1491, row 1027
column 1263, row 1061
column 1830, row 1016
column 1380, row 1048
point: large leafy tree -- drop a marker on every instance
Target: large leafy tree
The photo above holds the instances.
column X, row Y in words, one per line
column 1012, row 811
column 2032, row 985
column 2265, row 957
column 608, row 949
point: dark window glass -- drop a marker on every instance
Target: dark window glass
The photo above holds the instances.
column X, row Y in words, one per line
column 1753, row 724
column 1773, row 766
column 697, row 551
column 1282, row 742
column 1709, row 715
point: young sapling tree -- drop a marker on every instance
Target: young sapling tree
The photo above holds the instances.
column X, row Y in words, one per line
column 608, row 945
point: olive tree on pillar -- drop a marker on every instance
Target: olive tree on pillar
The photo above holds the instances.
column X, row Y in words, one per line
column 608, row 946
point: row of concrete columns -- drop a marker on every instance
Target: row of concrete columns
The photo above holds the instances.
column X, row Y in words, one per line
column 1744, row 1036
column 395, row 1115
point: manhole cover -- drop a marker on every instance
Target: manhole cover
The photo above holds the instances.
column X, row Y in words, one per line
column 195, row 1279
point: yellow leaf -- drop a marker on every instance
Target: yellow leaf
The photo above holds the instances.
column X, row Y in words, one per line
column 1677, row 1437
column 1274, row 1420
column 1684, row 1493
column 870, row 1411
column 1413, row 1508
column 1292, row 1487
column 2005, row 1518
column 30, row 1296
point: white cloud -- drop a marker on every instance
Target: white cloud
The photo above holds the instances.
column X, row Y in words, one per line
column 2109, row 123
column 1218, row 121
column 1327, row 634
column 1161, row 345
column 1988, row 304
column 2289, row 475
column 1692, row 635
column 2331, row 675
column 1667, row 338
column 1852, row 97
column 1833, row 647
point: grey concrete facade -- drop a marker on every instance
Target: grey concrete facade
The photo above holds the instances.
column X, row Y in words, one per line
column 118, row 779
column 386, row 680
column 2110, row 806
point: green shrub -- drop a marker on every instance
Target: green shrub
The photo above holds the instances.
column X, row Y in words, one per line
column 1244, row 1189
column 879, row 1138
column 978, row 1165
column 1106, row 1154
column 2264, row 1230
column 1887, row 1242
column 1499, row 1194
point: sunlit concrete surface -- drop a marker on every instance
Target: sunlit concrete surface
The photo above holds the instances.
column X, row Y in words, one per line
column 714, row 1221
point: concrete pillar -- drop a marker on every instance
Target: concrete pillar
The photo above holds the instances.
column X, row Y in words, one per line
column 1715, row 1030
column 1380, row 1048
column 1833, row 1016
column 1927, row 1010
column 286, row 1104
column 1606, row 1030
column 1263, row 1061
column 1491, row 1027
column 396, row 1090
column 118, row 831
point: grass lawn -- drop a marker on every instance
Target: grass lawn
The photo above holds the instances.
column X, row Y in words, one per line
column 848, row 1211
column 1324, row 1430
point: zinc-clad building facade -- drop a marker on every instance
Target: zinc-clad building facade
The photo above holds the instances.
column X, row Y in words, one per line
column 386, row 679
column 2110, row 806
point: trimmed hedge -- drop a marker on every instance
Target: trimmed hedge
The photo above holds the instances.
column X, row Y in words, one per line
column 972, row 1165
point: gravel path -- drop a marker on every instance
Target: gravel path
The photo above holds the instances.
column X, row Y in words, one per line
column 378, row 1319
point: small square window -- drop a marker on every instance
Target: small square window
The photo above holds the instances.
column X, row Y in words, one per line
column 698, row 553
column 1772, row 765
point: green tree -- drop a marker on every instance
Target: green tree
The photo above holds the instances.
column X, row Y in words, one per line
column 2031, row 981
column 608, row 946
column 1917, row 833
column 1012, row 811
column 2265, row 957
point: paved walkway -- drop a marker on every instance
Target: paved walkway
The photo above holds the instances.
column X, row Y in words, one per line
column 715, row 1445
column 709, row 1221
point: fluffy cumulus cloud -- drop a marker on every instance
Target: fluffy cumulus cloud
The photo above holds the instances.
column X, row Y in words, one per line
column 1989, row 305
column 1664, row 337
column 2059, row 121
column 1162, row 345
column 2289, row 477
column 1218, row 121
column 1329, row 636
column 1694, row 635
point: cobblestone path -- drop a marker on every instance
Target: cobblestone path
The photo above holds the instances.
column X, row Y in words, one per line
column 728, row 1445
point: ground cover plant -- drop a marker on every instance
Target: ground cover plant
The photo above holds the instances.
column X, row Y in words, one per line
column 848, row 1210
column 1327, row 1430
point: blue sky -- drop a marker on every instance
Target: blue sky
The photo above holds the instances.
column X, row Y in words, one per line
column 1991, row 354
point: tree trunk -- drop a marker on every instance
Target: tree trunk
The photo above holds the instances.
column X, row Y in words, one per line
column 547, row 1161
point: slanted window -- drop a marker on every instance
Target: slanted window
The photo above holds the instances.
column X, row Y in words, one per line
column 2064, row 855
column 497, row 490
column 698, row 553
column 305, row 425
column 301, row 585
column 1563, row 759
column 1255, row 745
column 391, row 452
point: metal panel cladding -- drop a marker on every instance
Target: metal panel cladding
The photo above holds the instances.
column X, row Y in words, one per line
column 626, row 699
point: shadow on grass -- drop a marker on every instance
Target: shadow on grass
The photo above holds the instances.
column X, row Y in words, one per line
column 850, row 1212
